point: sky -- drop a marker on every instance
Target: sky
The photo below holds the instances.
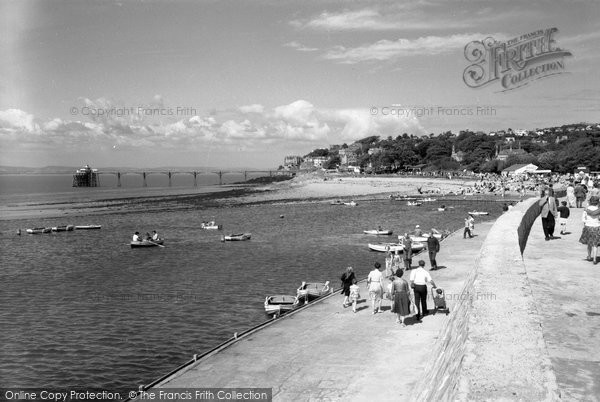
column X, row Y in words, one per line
column 245, row 83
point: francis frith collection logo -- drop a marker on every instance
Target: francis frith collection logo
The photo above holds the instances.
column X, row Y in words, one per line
column 516, row 62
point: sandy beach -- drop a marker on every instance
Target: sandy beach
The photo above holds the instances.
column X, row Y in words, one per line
column 309, row 187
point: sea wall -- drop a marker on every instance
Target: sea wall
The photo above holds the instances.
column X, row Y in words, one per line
column 492, row 346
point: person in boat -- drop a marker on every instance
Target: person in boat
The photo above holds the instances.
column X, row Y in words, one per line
column 136, row 236
column 347, row 279
column 155, row 236
column 418, row 231
column 147, row 236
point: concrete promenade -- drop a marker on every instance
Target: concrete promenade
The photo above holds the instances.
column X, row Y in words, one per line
column 327, row 352
column 567, row 293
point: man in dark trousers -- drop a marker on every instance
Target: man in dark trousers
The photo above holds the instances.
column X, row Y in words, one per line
column 433, row 246
column 418, row 280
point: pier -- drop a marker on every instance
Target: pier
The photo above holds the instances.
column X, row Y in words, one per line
column 522, row 326
column 220, row 173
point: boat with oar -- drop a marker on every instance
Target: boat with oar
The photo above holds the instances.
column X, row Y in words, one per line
column 38, row 230
column 236, row 237
column 64, row 228
column 87, row 227
column 393, row 247
column 379, row 232
column 280, row 304
column 312, row 290
column 212, row 225
column 147, row 243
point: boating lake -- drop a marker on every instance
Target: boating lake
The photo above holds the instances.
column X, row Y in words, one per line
column 83, row 309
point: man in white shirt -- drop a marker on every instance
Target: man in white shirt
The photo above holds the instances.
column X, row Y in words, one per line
column 136, row 236
column 154, row 235
column 418, row 280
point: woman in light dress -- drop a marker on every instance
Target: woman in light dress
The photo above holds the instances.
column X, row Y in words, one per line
column 571, row 200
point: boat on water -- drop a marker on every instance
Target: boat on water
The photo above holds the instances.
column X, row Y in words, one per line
column 478, row 213
column 236, row 237
column 88, row 227
column 210, row 226
column 428, row 199
column 393, row 247
column 441, row 209
column 402, row 198
column 279, row 304
column 379, row 232
column 351, row 204
column 147, row 243
column 38, row 230
column 64, row 228
column 312, row 290
column 337, row 202
column 414, row 203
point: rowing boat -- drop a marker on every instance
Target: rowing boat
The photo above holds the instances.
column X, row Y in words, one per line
column 64, row 228
column 38, row 230
column 478, row 213
column 88, row 227
column 210, row 226
column 414, row 203
column 313, row 290
column 393, row 247
column 425, row 236
column 237, row 237
column 146, row 243
column 378, row 232
column 279, row 304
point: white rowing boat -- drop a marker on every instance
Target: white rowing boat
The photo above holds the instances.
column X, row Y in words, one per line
column 279, row 304
column 88, row 227
column 378, row 232
column 237, row 237
column 313, row 290
column 393, row 247
column 478, row 213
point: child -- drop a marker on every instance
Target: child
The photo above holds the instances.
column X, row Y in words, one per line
column 354, row 294
column 564, row 216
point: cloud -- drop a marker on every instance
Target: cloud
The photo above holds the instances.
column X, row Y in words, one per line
column 293, row 126
column 300, row 47
column 393, row 49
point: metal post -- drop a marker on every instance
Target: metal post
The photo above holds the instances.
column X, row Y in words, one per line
column 144, row 176
column 169, row 179
column 118, row 179
column 220, row 178
column 195, row 179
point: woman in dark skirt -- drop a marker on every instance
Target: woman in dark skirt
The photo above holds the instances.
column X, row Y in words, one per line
column 400, row 296
column 347, row 281
column 590, row 235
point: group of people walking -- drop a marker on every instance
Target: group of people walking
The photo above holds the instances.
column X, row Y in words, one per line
column 407, row 297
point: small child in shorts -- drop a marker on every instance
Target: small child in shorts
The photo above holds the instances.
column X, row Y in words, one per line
column 354, row 294
column 564, row 216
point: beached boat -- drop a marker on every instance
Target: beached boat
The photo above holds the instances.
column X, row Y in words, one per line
column 393, row 247
column 38, row 230
column 147, row 243
column 88, row 227
column 237, row 237
column 378, row 232
column 478, row 213
column 425, row 236
column 312, row 290
column 414, row 203
column 279, row 304
column 64, row 228
column 210, row 226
